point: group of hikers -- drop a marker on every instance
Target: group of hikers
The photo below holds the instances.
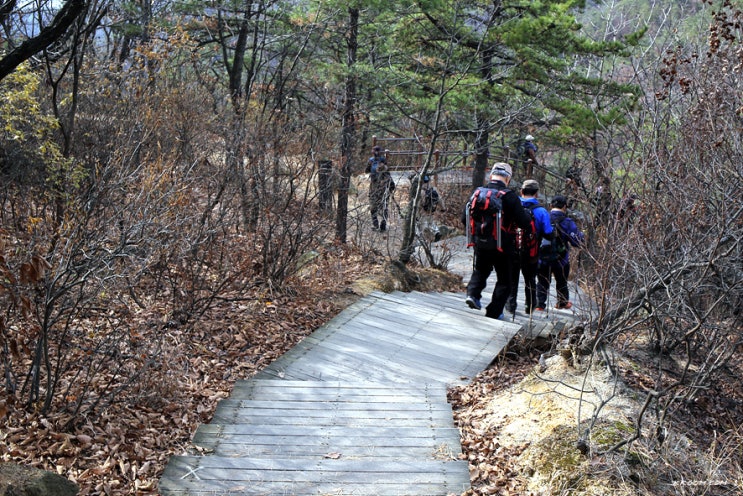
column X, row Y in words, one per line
column 512, row 234
column 382, row 186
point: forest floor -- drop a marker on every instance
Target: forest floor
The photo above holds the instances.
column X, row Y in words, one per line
column 520, row 423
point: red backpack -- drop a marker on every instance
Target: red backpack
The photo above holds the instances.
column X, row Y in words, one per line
column 527, row 244
column 484, row 218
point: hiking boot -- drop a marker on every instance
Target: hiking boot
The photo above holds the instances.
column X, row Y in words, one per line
column 565, row 306
column 473, row 302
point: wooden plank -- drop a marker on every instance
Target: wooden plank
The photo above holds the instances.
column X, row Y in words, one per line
column 264, row 488
column 432, row 345
column 224, row 418
column 386, row 322
column 349, row 360
column 339, row 444
column 337, row 406
column 400, row 316
column 270, row 389
column 420, row 305
column 320, row 441
column 231, row 414
column 230, row 432
column 442, row 330
column 329, row 361
column 411, row 354
column 328, row 366
column 223, row 468
column 348, row 449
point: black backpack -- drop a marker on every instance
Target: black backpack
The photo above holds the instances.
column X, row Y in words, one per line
column 527, row 243
column 555, row 250
column 431, row 200
column 484, row 218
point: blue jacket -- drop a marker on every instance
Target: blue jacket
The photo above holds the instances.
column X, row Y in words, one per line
column 541, row 217
column 568, row 231
column 372, row 164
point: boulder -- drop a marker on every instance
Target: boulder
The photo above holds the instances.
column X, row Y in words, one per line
column 19, row 480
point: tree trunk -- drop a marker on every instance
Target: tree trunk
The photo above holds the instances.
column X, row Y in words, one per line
column 349, row 128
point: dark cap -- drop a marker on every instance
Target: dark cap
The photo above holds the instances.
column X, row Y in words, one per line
column 559, row 201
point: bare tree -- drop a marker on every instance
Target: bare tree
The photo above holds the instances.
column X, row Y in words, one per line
column 48, row 35
column 667, row 274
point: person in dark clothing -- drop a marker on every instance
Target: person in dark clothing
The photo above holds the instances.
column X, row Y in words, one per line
column 498, row 259
column 377, row 188
column 523, row 263
column 560, row 268
column 374, row 161
column 379, row 197
column 530, row 156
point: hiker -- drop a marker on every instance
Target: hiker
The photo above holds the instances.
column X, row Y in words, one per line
column 530, row 156
column 432, row 200
column 527, row 260
column 373, row 163
column 498, row 253
column 570, row 235
column 380, row 191
column 375, row 187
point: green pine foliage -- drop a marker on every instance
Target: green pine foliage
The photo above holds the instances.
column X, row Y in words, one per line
column 527, row 61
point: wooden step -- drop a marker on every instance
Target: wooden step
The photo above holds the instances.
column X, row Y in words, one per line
column 249, row 476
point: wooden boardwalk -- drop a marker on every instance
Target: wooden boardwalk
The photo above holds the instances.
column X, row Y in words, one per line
column 359, row 407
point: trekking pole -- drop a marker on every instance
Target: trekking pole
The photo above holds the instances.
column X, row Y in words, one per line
column 498, row 223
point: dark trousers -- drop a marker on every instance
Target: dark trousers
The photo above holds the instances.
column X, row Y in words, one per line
column 544, row 278
column 529, row 271
column 379, row 207
column 485, row 261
